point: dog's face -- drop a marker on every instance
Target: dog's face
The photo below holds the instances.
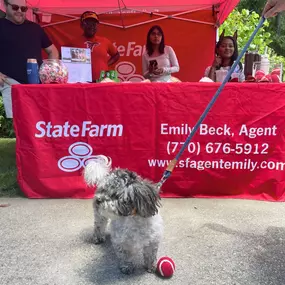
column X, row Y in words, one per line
column 124, row 194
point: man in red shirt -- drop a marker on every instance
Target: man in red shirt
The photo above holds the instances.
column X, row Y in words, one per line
column 101, row 48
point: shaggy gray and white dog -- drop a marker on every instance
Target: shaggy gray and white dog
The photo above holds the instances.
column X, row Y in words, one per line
column 130, row 203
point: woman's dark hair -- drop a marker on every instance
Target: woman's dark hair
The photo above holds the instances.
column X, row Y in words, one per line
column 235, row 54
column 149, row 46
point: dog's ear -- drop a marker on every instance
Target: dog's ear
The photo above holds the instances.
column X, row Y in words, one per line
column 146, row 199
column 235, row 35
column 222, row 34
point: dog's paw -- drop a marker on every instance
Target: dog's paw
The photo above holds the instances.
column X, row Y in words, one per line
column 98, row 240
column 150, row 269
column 127, row 269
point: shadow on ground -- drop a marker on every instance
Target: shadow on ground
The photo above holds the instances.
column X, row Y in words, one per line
column 269, row 259
column 265, row 254
column 104, row 268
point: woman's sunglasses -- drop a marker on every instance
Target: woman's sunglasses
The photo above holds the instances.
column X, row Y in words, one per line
column 16, row 7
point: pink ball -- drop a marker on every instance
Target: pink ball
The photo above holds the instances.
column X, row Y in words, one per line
column 165, row 267
column 264, row 79
column 276, row 71
column 268, row 76
column 259, row 77
column 260, row 73
column 275, row 78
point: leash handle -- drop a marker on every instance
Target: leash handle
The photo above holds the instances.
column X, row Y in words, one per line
column 173, row 162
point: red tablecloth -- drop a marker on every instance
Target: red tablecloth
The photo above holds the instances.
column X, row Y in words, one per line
column 238, row 151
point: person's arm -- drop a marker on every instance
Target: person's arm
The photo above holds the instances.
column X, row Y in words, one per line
column 212, row 69
column 212, row 73
column 48, row 46
column 273, row 7
column 114, row 59
column 174, row 65
column 52, row 52
column 2, row 79
column 145, row 67
column 207, row 71
column 113, row 52
column 173, row 62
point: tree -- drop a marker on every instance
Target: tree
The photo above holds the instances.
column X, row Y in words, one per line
column 245, row 22
column 276, row 24
column 252, row 5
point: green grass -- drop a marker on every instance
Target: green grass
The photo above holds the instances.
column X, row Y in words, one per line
column 8, row 170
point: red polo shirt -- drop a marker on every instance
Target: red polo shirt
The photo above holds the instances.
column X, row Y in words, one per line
column 100, row 49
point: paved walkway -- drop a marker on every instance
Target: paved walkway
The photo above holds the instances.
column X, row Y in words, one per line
column 219, row 242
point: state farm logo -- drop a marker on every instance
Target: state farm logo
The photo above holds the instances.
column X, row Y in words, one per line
column 85, row 129
column 91, row 45
column 80, row 154
column 127, row 72
column 131, row 49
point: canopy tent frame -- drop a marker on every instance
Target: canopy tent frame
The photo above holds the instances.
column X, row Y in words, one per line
column 121, row 11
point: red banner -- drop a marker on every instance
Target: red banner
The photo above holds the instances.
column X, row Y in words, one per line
column 238, row 151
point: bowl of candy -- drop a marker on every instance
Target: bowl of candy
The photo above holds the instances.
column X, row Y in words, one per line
column 53, row 71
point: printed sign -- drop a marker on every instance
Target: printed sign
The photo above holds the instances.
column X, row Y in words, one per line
column 238, row 151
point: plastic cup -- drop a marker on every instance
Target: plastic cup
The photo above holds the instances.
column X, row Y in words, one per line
column 221, row 75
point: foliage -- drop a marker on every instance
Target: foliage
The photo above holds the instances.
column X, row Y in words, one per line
column 245, row 22
column 252, row 5
column 276, row 24
column 6, row 125
column 8, row 169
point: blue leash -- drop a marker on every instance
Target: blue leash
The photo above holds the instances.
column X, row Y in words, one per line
column 173, row 162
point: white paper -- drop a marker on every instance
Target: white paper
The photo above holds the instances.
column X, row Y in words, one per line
column 78, row 63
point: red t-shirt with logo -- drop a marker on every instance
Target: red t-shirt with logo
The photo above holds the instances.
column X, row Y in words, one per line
column 100, row 49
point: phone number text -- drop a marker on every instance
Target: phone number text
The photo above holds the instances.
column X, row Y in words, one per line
column 225, row 148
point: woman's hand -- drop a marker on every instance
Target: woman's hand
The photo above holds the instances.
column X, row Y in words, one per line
column 150, row 69
column 217, row 61
column 2, row 78
column 158, row 71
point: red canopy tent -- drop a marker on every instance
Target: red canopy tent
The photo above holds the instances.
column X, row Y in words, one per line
column 77, row 7
column 189, row 25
